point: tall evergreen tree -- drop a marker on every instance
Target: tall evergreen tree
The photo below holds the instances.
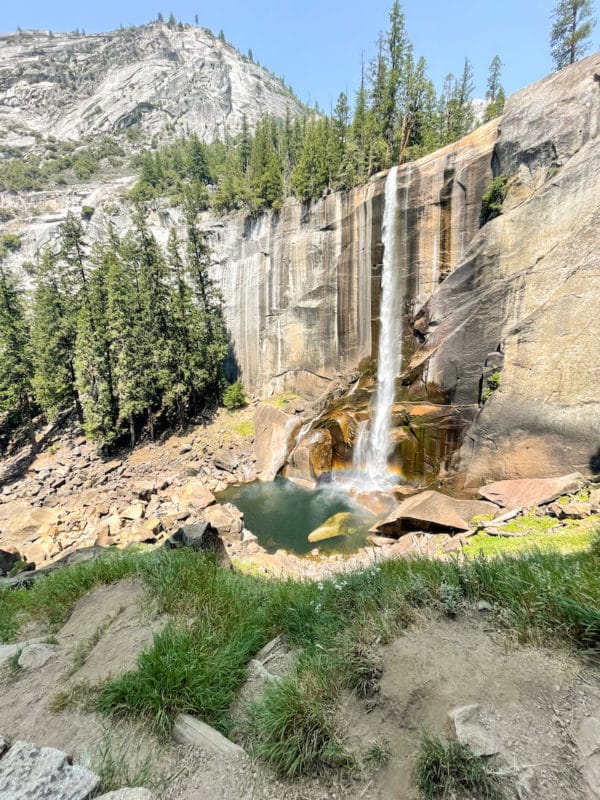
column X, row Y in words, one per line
column 53, row 332
column 16, row 389
column 495, row 93
column 573, row 22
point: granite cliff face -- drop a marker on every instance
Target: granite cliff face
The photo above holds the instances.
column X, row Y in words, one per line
column 501, row 362
column 302, row 286
column 154, row 78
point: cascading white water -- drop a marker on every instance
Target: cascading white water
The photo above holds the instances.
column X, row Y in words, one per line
column 373, row 443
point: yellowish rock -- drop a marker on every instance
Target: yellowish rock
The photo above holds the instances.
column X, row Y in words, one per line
column 341, row 524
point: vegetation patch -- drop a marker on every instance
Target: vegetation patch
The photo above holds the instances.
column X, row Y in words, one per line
column 493, row 199
column 219, row 620
column 452, row 770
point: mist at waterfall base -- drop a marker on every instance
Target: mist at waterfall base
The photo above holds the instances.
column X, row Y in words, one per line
column 282, row 514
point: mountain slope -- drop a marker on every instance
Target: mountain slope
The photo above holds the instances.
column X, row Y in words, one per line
column 152, row 79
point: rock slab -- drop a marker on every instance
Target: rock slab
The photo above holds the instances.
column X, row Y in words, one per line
column 528, row 492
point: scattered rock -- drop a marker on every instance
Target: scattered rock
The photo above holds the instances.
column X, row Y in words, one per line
column 191, row 731
column 225, row 460
column 35, row 655
column 483, row 605
column 133, row 512
column 467, row 725
column 527, row 492
column 574, row 509
column 226, row 518
column 43, row 773
column 194, row 494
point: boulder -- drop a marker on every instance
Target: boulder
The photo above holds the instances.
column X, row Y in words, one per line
column 190, row 731
column 432, row 511
column 275, row 432
column 133, row 512
column 8, row 558
column 574, row 509
column 193, row 494
column 43, row 773
column 198, row 536
column 226, row 461
column 35, row 654
column 342, row 524
column 527, row 492
column 226, row 518
column 311, row 458
column 468, row 727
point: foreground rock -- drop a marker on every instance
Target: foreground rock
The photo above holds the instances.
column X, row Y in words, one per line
column 43, row 773
column 191, row 731
column 435, row 512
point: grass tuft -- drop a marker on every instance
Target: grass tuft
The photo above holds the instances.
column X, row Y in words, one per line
column 292, row 727
column 451, row 770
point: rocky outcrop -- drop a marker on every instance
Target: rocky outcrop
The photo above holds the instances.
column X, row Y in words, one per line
column 150, row 78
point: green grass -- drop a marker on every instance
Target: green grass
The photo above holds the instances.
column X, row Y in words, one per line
column 52, row 598
column 564, row 540
column 450, row 770
column 219, row 619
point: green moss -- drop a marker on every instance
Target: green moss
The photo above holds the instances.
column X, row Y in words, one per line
column 282, row 400
column 244, row 428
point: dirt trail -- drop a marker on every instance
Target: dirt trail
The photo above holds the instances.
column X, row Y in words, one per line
column 533, row 703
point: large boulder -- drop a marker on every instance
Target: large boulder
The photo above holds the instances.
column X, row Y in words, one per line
column 434, row 512
column 311, row 458
column 275, row 433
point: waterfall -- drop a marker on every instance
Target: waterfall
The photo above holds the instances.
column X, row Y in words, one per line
column 373, row 444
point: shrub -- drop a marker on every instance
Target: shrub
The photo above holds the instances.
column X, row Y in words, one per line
column 491, row 204
column 234, row 396
column 87, row 212
column 10, row 241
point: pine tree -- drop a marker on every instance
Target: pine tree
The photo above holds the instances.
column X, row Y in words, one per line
column 495, row 93
column 53, row 331
column 93, row 366
column 212, row 339
column 573, row 23
column 16, row 390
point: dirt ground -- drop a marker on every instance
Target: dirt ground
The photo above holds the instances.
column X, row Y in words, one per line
column 533, row 703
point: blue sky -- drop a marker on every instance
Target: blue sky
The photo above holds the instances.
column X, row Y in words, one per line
column 317, row 45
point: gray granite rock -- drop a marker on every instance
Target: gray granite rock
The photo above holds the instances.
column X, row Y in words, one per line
column 28, row 772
